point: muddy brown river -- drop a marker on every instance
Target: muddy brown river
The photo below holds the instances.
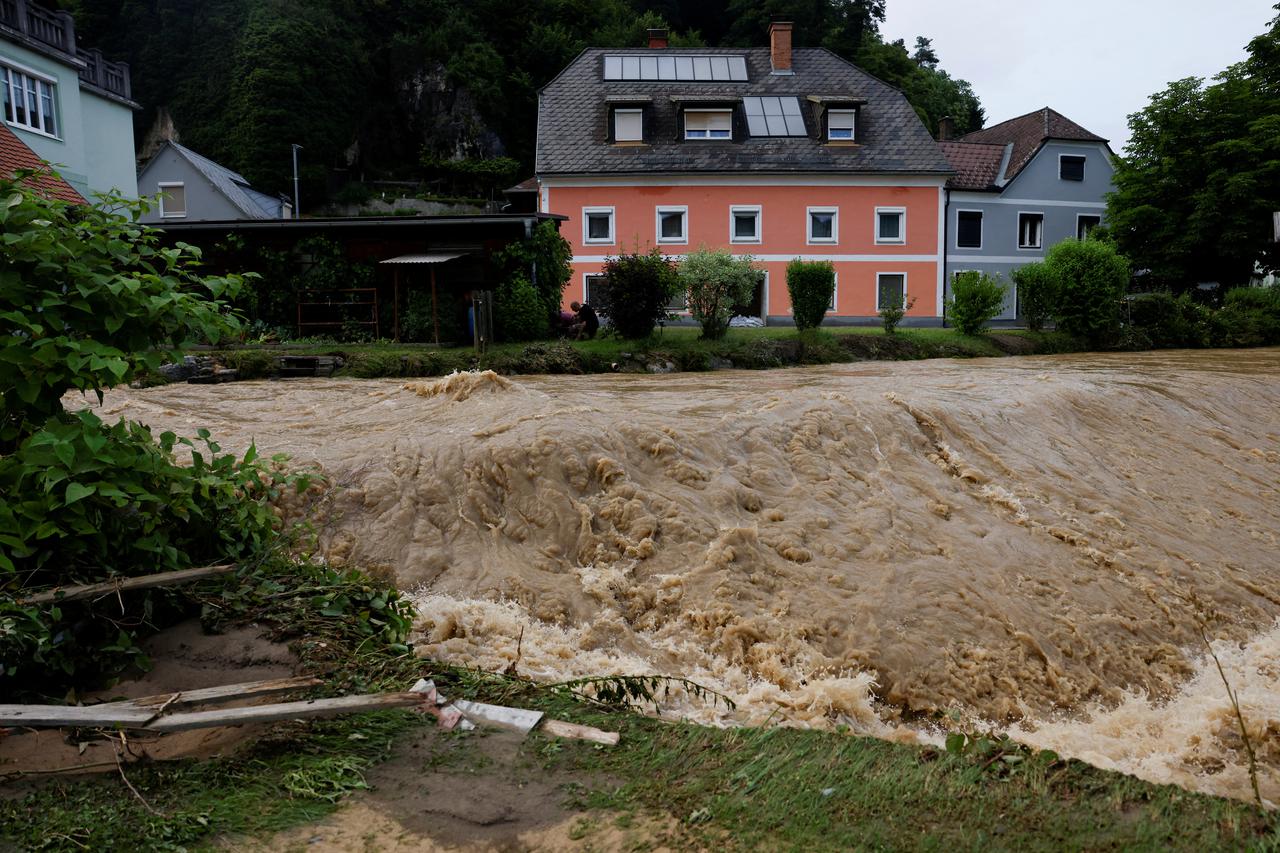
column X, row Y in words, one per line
column 1030, row 543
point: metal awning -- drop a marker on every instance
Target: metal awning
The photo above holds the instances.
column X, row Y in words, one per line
column 437, row 258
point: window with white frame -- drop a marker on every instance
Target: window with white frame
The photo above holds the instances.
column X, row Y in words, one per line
column 744, row 224
column 597, row 225
column 824, row 226
column 1070, row 167
column 969, row 229
column 173, row 200
column 628, row 125
column 891, row 225
column 30, row 101
column 1030, row 230
column 593, row 287
column 672, row 224
column 708, row 124
column 891, row 290
column 1085, row 223
column 840, row 124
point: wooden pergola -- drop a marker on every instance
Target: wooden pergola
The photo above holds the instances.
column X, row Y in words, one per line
column 432, row 260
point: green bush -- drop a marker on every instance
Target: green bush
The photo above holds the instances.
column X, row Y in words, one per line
column 975, row 299
column 1037, row 294
column 519, row 314
column 716, row 281
column 1160, row 321
column 545, row 255
column 1091, row 278
column 1250, row 316
column 892, row 312
column 811, row 285
column 637, row 289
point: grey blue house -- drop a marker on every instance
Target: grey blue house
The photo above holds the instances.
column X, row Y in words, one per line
column 72, row 107
column 193, row 188
column 1021, row 187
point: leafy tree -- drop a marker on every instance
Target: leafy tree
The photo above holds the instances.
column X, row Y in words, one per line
column 544, row 258
column 1195, row 193
column 716, row 281
column 638, row 289
column 925, row 56
column 974, row 300
column 519, row 313
column 810, row 284
column 1037, row 293
column 1091, row 278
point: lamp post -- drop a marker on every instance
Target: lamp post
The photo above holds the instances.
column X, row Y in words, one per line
column 297, row 209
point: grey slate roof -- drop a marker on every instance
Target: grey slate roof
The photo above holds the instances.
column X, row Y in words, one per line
column 573, row 121
column 233, row 185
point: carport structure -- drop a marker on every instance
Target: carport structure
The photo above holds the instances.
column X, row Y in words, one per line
column 431, row 260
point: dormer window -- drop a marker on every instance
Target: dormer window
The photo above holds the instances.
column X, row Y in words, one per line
column 628, row 125
column 841, row 124
column 708, row 124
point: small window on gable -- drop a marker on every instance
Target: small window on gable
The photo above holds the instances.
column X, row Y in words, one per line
column 891, row 225
column 708, row 124
column 173, row 200
column 1071, row 168
column 628, row 125
column 969, row 229
column 744, row 225
column 1086, row 223
column 1030, row 230
column 841, row 124
column 597, row 225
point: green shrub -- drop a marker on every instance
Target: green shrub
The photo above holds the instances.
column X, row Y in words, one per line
column 519, row 314
column 975, row 299
column 1250, row 317
column 1037, row 294
column 893, row 310
column 1091, row 278
column 544, row 255
column 1159, row 321
column 716, row 282
column 811, row 284
column 637, row 289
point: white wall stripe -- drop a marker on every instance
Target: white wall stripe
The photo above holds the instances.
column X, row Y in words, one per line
column 1036, row 255
column 987, row 198
column 860, row 259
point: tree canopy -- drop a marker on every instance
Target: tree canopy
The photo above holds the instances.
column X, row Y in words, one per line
column 1200, row 180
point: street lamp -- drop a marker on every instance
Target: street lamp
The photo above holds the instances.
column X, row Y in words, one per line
column 297, row 209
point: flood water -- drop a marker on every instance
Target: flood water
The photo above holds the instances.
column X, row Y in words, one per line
column 1031, row 543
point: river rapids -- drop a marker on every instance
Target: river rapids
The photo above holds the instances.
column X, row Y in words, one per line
column 1039, row 544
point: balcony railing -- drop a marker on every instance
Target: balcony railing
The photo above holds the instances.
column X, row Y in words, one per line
column 58, row 30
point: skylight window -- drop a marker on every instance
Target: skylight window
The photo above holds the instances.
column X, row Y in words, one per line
column 724, row 69
column 774, row 116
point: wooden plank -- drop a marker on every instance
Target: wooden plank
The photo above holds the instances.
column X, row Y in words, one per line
column 559, row 728
column 93, row 590
column 226, row 693
column 283, row 711
column 95, row 716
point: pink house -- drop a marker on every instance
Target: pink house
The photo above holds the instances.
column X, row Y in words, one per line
column 776, row 153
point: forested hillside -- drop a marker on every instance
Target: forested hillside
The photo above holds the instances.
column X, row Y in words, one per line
column 430, row 89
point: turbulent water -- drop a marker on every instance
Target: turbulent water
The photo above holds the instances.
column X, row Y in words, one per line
column 1033, row 542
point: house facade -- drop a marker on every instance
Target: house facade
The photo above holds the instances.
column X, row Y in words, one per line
column 770, row 152
column 193, row 188
column 70, row 106
column 1021, row 187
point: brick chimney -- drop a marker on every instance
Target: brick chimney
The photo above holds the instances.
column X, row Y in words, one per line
column 657, row 38
column 946, row 128
column 780, row 46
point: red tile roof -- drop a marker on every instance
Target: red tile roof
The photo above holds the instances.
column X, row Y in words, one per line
column 1027, row 133
column 15, row 155
column 976, row 164
column 528, row 185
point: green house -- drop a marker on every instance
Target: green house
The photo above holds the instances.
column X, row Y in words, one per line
column 70, row 106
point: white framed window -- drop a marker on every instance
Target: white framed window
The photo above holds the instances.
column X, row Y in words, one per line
column 968, row 229
column 30, row 99
column 597, row 225
column 708, row 124
column 841, row 124
column 1030, row 230
column 672, row 224
column 745, row 223
column 891, row 225
column 173, row 200
column 1071, row 167
column 1086, row 222
column 592, row 285
column 891, row 288
column 823, row 225
column 628, row 125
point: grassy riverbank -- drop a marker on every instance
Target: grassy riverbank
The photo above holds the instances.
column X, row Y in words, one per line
column 674, row 349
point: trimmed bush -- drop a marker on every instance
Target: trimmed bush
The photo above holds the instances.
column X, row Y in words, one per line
column 638, row 289
column 716, row 281
column 1037, row 294
column 1092, row 278
column 811, row 285
column 975, row 299
column 519, row 313
column 892, row 312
